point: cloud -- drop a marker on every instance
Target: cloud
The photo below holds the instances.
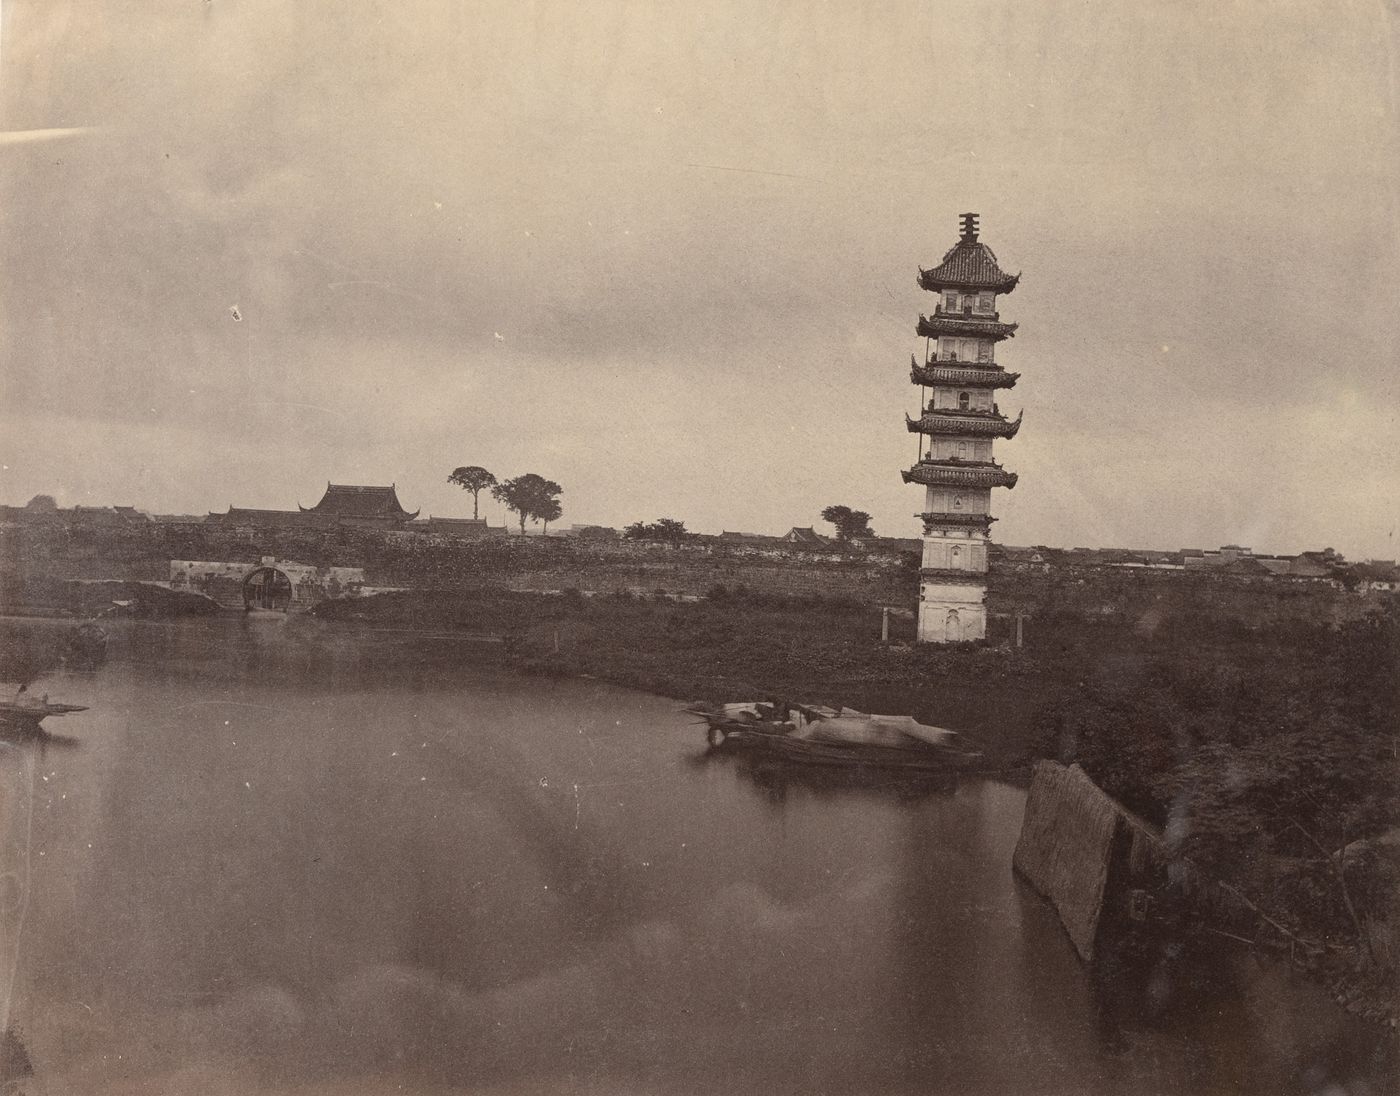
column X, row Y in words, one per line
column 710, row 220
column 31, row 136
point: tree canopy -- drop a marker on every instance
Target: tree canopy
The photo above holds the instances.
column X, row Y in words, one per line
column 662, row 529
column 473, row 478
column 849, row 523
column 1274, row 767
column 530, row 497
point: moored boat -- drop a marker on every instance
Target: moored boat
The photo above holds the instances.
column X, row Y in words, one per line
column 825, row 736
column 28, row 711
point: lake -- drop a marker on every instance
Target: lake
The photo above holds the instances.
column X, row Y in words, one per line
column 276, row 857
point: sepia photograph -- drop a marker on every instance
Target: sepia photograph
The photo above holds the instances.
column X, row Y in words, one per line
column 723, row 548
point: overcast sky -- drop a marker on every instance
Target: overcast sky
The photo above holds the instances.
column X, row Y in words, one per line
column 666, row 255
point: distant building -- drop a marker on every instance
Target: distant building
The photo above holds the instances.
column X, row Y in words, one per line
column 1376, row 576
column 805, row 536
column 105, row 517
column 342, row 504
column 375, row 507
column 458, row 527
column 242, row 515
column 959, row 417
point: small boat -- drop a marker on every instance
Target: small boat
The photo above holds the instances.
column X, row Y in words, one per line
column 826, row 736
column 28, row 711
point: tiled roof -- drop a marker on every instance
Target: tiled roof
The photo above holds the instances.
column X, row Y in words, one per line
column 935, row 325
column 933, row 474
column 968, row 263
column 350, row 501
column 963, row 424
column 246, row 516
column 935, row 519
column 961, row 375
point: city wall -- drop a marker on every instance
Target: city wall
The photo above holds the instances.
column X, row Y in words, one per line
column 421, row 561
column 1144, row 599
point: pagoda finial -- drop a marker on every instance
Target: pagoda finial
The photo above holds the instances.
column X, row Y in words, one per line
column 969, row 227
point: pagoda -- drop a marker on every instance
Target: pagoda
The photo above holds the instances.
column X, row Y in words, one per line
column 958, row 421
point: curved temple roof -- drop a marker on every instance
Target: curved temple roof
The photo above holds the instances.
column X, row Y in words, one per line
column 964, row 424
column 962, row 375
column 932, row 326
column 352, row 501
column 968, row 264
column 933, row 474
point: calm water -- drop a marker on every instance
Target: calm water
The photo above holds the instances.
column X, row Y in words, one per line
column 269, row 861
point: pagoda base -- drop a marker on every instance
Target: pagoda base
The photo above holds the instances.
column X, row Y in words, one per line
column 952, row 612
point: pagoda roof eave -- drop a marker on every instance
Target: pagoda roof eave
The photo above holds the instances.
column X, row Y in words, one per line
column 933, row 281
column 983, row 521
column 971, row 264
column 969, row 326
column 954, row 575
column 961, row 375
column 961, row 423
column 936, row 474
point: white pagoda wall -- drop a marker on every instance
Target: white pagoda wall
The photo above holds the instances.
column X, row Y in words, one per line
column 951, row 612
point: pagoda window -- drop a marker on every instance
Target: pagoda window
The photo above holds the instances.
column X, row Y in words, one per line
column 957, row 502
column 986, row 301
column 964, row 401
column 950, row 301
column 962, row 450
column 984, row 351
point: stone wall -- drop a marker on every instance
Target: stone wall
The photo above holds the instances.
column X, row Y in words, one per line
column 1065, row 848
column 1139, row 598
column 424, row 561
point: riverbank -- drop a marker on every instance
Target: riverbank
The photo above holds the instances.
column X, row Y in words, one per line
column 405, row 874
column 1151, row 714
column 742, row 645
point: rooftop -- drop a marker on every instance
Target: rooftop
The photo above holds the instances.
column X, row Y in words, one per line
column 968, row 264
column 353, row 501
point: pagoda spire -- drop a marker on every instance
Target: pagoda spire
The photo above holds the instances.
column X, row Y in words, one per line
column 958, row 420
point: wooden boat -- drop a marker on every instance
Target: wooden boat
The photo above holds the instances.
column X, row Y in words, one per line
column 837, row 737
column 28, row 711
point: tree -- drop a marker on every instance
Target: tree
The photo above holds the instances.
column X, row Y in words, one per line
column 849, row 523
column 549, row 510
column 667, row 529
column 41, row 502
column 530, row 497
column 475, row 479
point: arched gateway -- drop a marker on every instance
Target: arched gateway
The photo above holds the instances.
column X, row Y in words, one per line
column 267, row 588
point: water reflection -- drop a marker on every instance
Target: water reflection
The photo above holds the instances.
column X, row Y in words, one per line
column 280, row 863
column 23, row 751
column 776, row 781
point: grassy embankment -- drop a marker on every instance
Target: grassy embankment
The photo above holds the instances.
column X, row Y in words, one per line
column 746, row 646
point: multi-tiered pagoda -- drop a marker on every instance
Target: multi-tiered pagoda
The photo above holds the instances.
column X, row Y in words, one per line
column 959, row 418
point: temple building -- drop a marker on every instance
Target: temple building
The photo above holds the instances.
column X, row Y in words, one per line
column 375, row 507
column 342, row 504
column 958, row 420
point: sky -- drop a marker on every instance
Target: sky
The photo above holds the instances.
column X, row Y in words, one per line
column 665, row 254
